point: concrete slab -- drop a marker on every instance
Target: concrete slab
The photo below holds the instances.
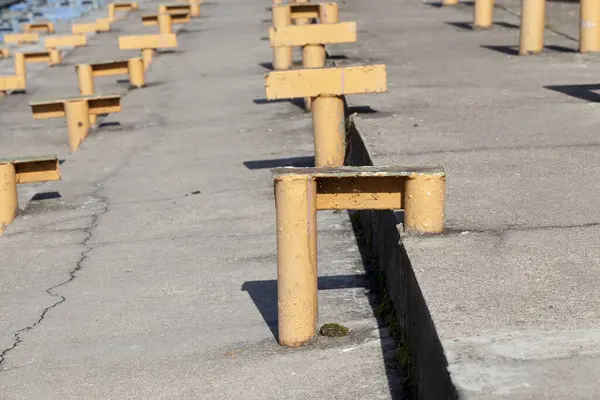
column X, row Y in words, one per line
column 164, row 231
column 511, row 288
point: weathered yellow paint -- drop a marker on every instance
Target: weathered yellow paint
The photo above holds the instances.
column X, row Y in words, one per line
column 79, row 113
column 12, row 83
column 65, row 41
column 136, row 69
column 589, row 27
column 310, row 11
column 8, row 195
column 329, row 130
column 282, row 56
column 330, row 81
column 109, row 68
column 18, row 171
column 78, row 122
column 56, row 109
column 84, row 28
column 300, row 192
column 126, row 6
column 85, row 78
column 531, row 39
column 147, row 55
column 20, row 38
column 174, row 8
column 295, row 202
column 51, row 56
column 46, row 27
column 300, row 35
column 483, row 14
column 86, row 73
column 4, row 53
column 176, row 18
column 103, row 25
column 35, row 169
column 147, row 42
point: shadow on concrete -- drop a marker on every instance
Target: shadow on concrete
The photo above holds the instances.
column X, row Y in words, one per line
column 468, row 26
column 298, row 162
column 507, row 25
column 46, row 196
column 109, row 124
column 187, row 31
column 508, row 50
column 361, row 110
column 264, row 294
column 560, row 49
column 297, row 102
column 336, row 57
column 461, row 4
column 268, row 66
column 514, row 50
column 583, row 92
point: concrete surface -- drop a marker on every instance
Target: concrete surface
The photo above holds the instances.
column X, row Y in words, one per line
column 149, row 271
column 512, row 287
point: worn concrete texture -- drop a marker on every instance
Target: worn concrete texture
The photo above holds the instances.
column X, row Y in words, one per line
column 149, row 271
column 512, row 286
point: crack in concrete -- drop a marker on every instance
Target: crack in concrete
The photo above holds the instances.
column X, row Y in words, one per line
column 72, row 275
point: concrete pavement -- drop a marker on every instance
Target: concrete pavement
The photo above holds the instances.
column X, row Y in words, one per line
column 508, row 298
column 149, row 271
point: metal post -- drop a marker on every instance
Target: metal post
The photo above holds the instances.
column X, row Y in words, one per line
column 165, row 24
column 55, row 56
column 20, row 68
column 313, row 56
column 282, row 56
column 423, row 203
column 532, row 26
column 112, row 15
column 329, row 13
column 194, row 9
column 136, row 72
column 301, row 21
column 329, row 130
column 589, row 28
column 147, row 55
column 78, row 122
column 483, row 14
column 8, row 195
column 296, row 207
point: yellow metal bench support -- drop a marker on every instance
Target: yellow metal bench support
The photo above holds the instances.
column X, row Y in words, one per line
column 18, row 81
column 193, row 9
column 133, row 67
column 57, row 41
column 148, row 44
column 100, row 25
column 51, row 56
column 483, row 14
column 22, row 38
column 46, row 27
column 77, row 112
column 23, row 170
column 325, row 87
column 301, row 192
column 532, row 27
column 114, row 7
